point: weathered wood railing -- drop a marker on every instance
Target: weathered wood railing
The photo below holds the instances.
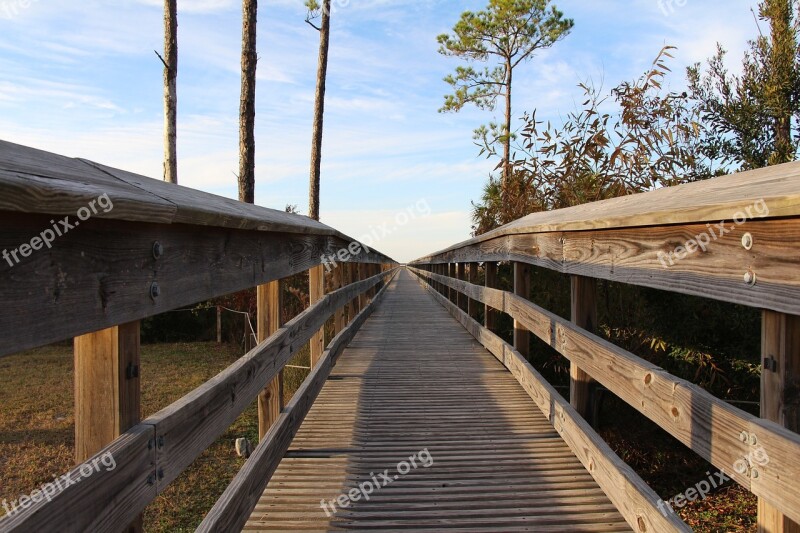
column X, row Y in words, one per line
column 734, row 239
column 130, row 247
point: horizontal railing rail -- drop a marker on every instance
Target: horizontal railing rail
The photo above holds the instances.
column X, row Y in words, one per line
column 92, row 250
column 733, row 239
column 635, row 500
column 707, row 425
column 147, row 247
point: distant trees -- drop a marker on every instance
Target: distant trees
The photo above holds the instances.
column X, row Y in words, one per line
column 504, row 35
column 170, row 61
column 247, row 103
column 324, row 12
column 753, row 117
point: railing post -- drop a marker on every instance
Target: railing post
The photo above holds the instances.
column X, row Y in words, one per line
column 339, row 320
column 584, row 315
column 489, row 313
column 269, row 302
column 780, row 395
column 352, row 305
column 452, row 273
column 107, row 390
column 522, row 287
column 462, row 275
column 360, row 276
column 472, row 305
column 316, row 290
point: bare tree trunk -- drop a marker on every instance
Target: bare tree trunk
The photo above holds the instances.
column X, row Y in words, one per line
column 247, row 104
column 319, row 112
column 170, row 61
column 507, row 131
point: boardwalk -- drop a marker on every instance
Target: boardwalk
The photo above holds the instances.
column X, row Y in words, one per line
column 497, row 463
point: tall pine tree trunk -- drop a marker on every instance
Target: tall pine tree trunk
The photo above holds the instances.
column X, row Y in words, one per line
column 507, row 130
column 247, row 104
column 319, row 112
column 170, row 60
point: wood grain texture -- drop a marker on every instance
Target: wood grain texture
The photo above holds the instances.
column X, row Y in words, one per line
column 392, row 395
column 583, row 298
column 269, row 303
column 634, row 499
column 35, row 181
column 232, row 510
column 193, row 423
column 641, row 256
column 107, row 402
column 103, row 501
column 780, row 396
column 491, row 282
column 472, row 306
column 100, row 274
column 709, row 426
column 340, row 317
column 316, row 291
column 522, row 288
column 704, row 201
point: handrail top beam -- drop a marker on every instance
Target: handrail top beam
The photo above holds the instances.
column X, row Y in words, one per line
column 39, row 182
column 711, row 200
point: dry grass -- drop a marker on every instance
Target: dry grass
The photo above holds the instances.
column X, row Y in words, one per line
column 37, row 423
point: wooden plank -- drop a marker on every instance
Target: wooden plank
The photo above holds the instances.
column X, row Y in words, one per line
column 772, row 190
column 350, row 277
column 492, row 282
column 231, row 511
column 584, row 315
column 634, row 499
column 361, row 273
column 101, row 274
column 103, row 500
column 269, row 303
column 522, row 288
column 472, row 305
column 190, row 425
column 461, row 273
column 452, row 272
column 780, row 396
column 709, row 426
column 340, row 318
column 107, row 400
column 107, row 391
column 641, row 256
column 316, row 291
column 391, row 395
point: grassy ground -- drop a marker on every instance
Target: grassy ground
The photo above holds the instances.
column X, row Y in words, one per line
column 37, row 436
column 37, row 424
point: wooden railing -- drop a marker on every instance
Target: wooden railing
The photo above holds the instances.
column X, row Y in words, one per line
column 148, row 247
column 734, row 239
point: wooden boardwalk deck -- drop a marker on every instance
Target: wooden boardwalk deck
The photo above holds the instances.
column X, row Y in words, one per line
column 497, row 464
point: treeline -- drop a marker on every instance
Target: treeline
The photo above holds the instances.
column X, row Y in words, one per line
column 634, row 138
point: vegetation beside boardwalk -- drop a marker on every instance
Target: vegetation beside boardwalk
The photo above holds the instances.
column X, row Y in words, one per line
column 37, row 423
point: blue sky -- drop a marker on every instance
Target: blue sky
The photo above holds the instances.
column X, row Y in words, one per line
column 81, row 79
